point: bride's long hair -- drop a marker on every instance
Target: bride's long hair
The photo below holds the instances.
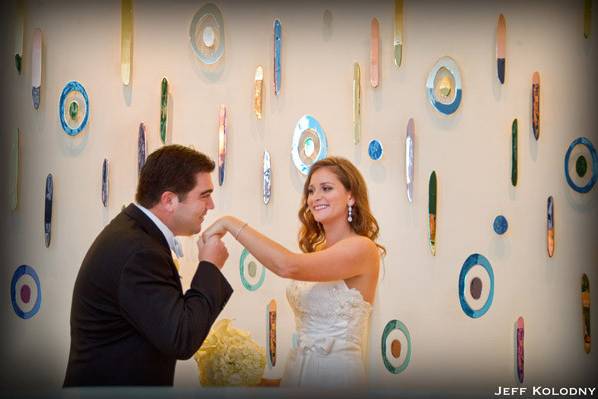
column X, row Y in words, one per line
column 311, row 234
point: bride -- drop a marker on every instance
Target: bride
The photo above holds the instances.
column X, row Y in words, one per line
column 334, row 279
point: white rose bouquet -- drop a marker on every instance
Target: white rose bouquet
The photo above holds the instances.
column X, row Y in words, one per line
column 229, row 357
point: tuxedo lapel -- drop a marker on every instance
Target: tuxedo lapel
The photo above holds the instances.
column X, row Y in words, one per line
column 153, row 231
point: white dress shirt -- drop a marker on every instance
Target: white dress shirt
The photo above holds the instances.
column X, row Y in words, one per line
column 173, row 242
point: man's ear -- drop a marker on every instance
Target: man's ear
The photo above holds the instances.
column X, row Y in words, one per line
column 169, row 201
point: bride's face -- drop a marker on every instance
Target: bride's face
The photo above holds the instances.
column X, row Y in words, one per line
column 327, row 198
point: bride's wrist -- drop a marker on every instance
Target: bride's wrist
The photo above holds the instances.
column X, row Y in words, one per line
column 231, row 224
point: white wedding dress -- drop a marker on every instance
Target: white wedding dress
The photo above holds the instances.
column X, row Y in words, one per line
column 332, row 322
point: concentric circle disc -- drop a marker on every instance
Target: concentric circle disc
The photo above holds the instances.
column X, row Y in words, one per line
column 73, row 108
column 252, row 272
column 396, row 346
column 207, row 34
column 444, row 86
column 309, row 143
column 476, row 286
column 25, row 292
column 581, row 165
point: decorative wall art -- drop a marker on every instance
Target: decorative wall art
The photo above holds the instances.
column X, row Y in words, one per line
column 222, row 128
column 251, row 270
column 49, row 199
column 267, row 178
column 476, row 286
column 163, row 109
column 409, row 161
column 36, row 67
column 356, row 103
column 432, row 198
column 374, row 52
column 105, row 183
column 582, row 152
column 206, row 34
column 375, row 150
column 519, row 360
column 444, row 86
column 536, row 105
column 396, row 346
column 444, row 90
column 277, row 55
column 126, row 40
column 19, row 32
column 550, row 226
column 13, row 182
column 500, row 225
column 141, row 148
column 501, row 31
column 398, row 36
column 309, row 143
column 257, row 96
column 271, row 341
column 25, row 292
column 585, row 312
column 73, row 108
column 514, row 165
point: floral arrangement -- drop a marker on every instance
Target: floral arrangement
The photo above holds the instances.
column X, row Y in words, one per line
column 229, row 357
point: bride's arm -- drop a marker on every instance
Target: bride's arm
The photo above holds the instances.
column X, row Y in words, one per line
column 347, row 258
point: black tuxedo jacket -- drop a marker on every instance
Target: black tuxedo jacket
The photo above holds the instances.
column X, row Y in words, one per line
column 130, row 320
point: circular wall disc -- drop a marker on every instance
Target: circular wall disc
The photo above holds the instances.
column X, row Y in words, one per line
column 375, row 150
column 252, row 272
column 309, row 143
column 396, row 346
column 581, row 147
column 500, row 224
column 25, row 292
column 444, row 86
column 73, row 108
column 476, row 265
column 207, row 34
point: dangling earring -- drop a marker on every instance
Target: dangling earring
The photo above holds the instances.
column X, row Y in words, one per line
column 350, row 217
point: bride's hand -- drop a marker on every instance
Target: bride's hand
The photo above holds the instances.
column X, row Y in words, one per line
column 218, row 228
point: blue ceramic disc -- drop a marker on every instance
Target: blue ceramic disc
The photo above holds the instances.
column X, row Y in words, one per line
column 449, row 66
column 592, row 179
column 73, row 108
column 500, row 224
column 25, row 292
column 375, row 150
column 309, row 143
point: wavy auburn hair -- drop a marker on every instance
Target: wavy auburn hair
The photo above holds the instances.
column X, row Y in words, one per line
column 311, row 234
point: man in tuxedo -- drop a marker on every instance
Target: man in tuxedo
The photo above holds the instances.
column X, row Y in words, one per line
column 130, row 319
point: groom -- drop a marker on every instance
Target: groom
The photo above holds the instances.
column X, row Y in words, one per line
column 130, row 319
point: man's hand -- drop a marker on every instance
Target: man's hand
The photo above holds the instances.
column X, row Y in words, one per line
column 213, row 251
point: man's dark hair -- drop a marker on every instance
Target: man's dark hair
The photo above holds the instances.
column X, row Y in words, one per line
column 171, row 168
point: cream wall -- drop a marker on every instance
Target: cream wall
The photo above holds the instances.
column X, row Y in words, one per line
column 469, row 150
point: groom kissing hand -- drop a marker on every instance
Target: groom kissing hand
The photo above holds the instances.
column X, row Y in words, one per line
column 130, row 319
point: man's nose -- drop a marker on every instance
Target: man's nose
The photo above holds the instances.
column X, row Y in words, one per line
column 210, row 203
